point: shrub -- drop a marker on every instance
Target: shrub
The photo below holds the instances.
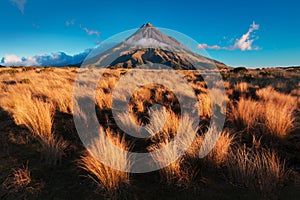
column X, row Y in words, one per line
column 239, row 70
column 25, row 81
column 266, row 73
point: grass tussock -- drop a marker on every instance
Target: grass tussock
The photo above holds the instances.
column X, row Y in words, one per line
column 271, row 115
column 241, row 87
column 220, row 142
column 277, row 111
column 109, row 179
column 19, row 180
column 103, row 100
column 219, row 154
column 177, row 172
column 20, row 185
column 258, row 169
column 204, row 105
column 37, row 116
column 278, row 120
column 171, row 174
column 269, row 94
column 245, row 114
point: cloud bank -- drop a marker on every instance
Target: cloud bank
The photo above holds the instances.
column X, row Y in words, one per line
column 20, row 4
column 54, row 59
column 245, row 42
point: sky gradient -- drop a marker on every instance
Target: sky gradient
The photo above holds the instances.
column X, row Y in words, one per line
column 238, row 33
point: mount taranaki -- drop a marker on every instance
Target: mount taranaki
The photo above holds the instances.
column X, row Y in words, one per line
column 148, row 46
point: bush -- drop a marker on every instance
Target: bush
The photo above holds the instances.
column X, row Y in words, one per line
column 25, row 69
column 239, row 70
column 25, row 81
column 266, row 73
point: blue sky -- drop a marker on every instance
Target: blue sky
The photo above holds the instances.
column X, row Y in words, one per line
column 238, row 33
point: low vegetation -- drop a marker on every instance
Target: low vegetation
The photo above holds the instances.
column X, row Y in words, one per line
column 254, row 154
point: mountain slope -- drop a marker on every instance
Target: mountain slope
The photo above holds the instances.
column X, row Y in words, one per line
column 148, row 45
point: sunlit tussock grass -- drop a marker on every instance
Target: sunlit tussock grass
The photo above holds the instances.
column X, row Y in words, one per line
column 100, row 159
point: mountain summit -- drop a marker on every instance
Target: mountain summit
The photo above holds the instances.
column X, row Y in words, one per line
column 148, row 45
column 147, row 25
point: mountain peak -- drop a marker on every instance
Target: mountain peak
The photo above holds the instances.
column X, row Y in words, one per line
column 149, row 45
column 147, row 25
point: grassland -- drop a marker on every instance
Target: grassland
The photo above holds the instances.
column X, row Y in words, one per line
column 256, row 156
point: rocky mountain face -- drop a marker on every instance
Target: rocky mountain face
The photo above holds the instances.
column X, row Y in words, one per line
column 148, row 45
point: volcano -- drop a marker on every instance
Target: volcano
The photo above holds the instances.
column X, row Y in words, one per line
column 148, row 46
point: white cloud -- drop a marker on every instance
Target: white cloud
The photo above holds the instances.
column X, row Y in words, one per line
column 15, row 60
column 70, row 22
column 206, row 46
column 245, row 42
column 147, row 42
column 20, row 4
column 11, row 58
column 85, row 29
column 90, row 32
column 54, row 59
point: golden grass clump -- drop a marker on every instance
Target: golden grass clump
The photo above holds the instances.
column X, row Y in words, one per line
column 278, row 120
column 269, row 94
column 177, row 172
column 103, row 100
column 62, row 99
column 128, row 121
column 277, row 113
column 245, row 114
column 164, row 125
column 220, row 151
column 107, row 178
column 204, row 101
column 241, row 87
column 139, row 103
column 37, row 116
column 259, row 169
column 171, row 173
